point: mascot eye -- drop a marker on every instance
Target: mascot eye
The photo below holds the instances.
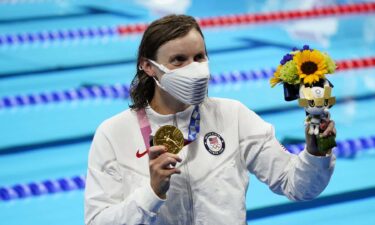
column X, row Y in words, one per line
column 311, row 103
column 325, row 102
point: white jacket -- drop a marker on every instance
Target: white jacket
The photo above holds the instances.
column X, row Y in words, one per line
column 211, row 189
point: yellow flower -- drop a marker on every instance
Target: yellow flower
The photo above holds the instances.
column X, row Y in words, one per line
column 276, row 77
column 311, row 65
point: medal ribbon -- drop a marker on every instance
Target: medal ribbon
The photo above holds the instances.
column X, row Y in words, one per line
column 194, row 124
column 146, row 127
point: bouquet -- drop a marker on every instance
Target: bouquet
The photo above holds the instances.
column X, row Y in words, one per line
column 303, row 75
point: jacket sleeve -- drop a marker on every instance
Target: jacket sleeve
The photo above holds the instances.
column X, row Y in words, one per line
column 299, row 177
column 105, row 200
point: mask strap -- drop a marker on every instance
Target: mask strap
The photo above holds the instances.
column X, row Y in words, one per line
column 159, row 66
column 158, row 83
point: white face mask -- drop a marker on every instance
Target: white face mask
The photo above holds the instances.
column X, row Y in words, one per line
column 187, row 84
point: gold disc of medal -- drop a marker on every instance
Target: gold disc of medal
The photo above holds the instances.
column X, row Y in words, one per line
column 171, row 137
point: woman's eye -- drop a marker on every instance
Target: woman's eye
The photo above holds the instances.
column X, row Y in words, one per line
column 178, row 60
column 199, row 58
column 311, row 103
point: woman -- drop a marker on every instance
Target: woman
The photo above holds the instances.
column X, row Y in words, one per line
column 129, row 182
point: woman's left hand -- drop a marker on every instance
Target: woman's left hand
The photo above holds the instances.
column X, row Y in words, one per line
column 328, row 129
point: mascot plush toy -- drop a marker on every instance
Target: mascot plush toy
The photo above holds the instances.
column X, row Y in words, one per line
column 302, row 73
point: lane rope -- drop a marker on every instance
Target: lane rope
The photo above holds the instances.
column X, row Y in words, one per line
column 83, row 93
column 20, row 191
column 335, row 10
column 347, row 149
column 218, row 21
column 122, row 91
column 57, row 36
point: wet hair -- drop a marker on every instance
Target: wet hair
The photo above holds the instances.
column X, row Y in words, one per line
column 157, row 33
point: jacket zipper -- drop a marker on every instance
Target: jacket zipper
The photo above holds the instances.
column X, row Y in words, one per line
column 190, row 193
column 187, row 177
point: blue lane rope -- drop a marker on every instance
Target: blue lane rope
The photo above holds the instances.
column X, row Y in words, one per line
column 239, row 76
column 20, row 191
column 108, row 91
column 345, row 149
column 118, row 90
column 58, row 35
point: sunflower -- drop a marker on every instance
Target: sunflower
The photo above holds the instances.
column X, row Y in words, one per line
column 311, row 65
column 276, row 77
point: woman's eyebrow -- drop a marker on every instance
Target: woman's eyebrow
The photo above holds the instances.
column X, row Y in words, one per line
column 184, row 55
column 177, row 55
column 203, row 52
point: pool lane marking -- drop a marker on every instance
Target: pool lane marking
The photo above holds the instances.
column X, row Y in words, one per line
column 46, row 144
column 292, row 207
column 86, row 11
column 57, row 70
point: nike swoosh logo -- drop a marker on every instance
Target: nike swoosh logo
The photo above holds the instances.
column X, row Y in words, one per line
column 140, row 155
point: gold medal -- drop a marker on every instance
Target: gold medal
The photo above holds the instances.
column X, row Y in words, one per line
column 171, row 137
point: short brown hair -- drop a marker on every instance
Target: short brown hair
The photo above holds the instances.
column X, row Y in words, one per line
column 157, row 33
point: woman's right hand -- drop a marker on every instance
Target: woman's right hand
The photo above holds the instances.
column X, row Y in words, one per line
column 162, row 167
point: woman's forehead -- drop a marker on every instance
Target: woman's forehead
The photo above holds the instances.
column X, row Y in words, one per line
column 190, row 43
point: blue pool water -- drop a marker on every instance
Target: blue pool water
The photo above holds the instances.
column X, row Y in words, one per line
column 63, row 65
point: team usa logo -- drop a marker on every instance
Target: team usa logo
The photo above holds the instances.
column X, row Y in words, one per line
column 214, row 143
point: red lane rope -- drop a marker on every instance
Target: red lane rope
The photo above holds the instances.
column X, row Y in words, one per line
column 355, row 63
column 266, row 17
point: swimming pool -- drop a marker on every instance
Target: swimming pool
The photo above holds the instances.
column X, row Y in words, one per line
column 50, row 48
